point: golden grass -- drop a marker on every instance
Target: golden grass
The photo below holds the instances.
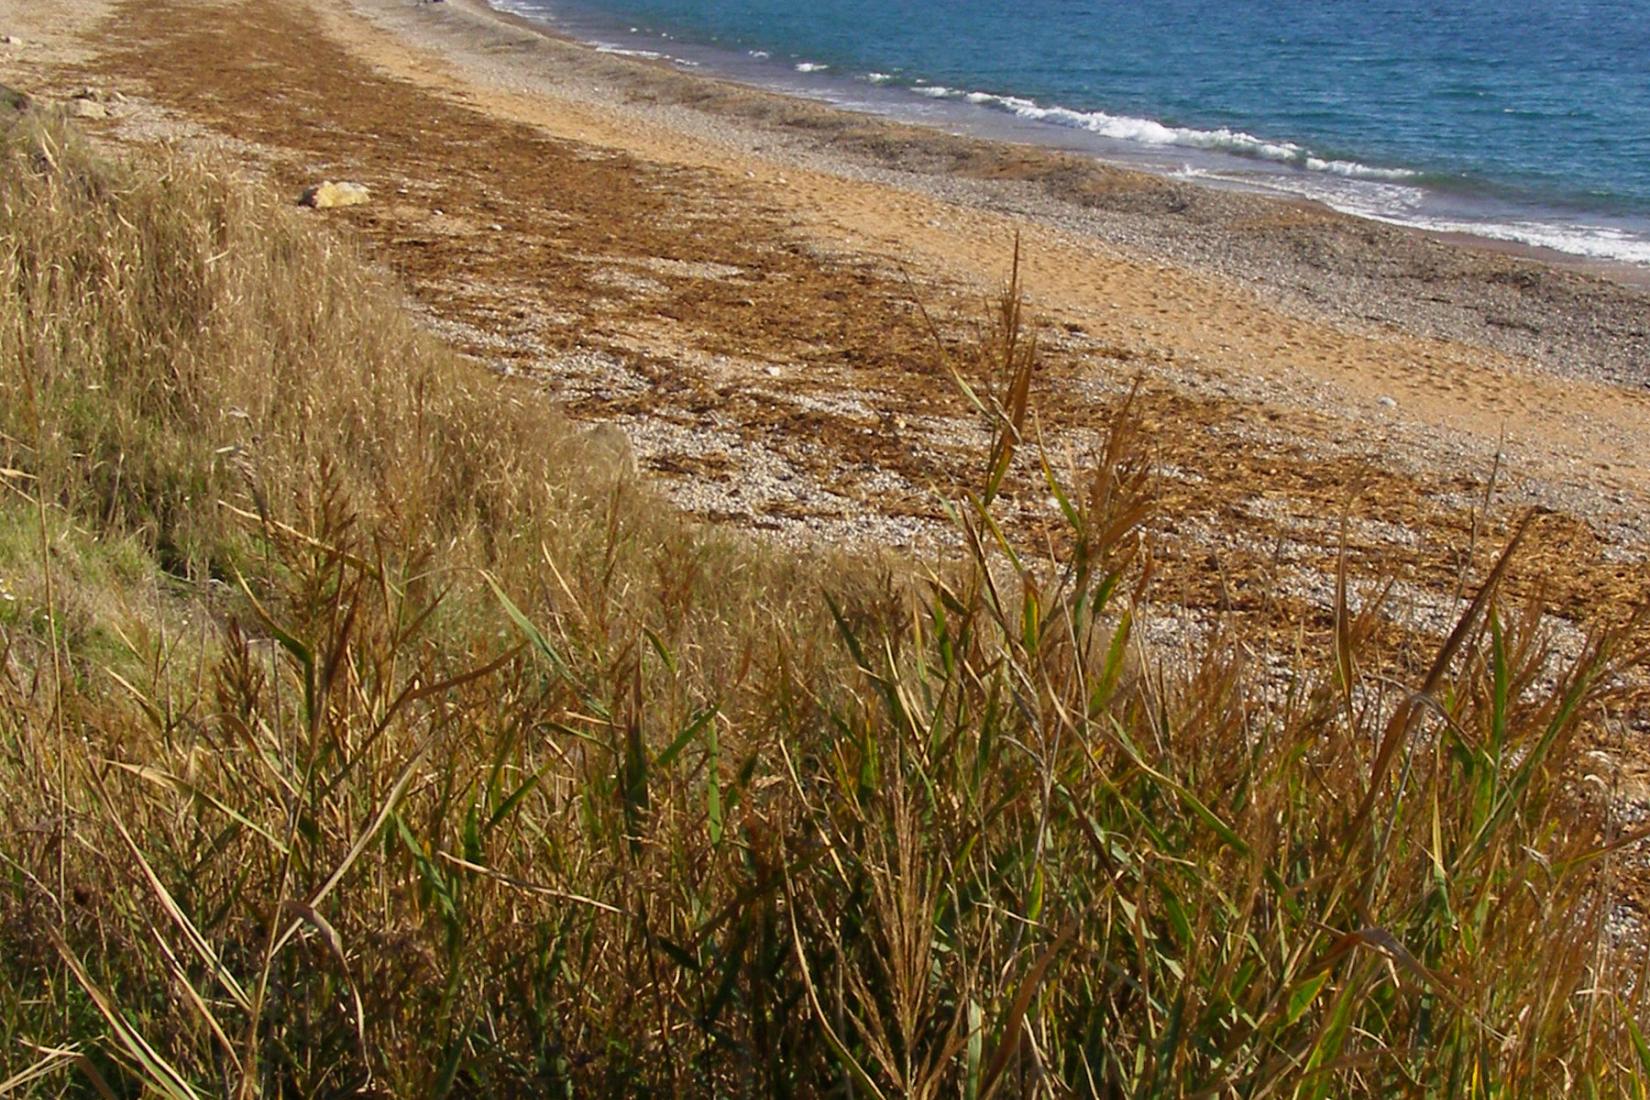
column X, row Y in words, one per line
column 361, row 737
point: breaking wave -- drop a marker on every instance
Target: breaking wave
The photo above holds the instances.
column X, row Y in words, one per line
column 1148, row 131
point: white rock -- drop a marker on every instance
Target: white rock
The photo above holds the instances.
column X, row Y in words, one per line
column 11, row 40
column 1387, row 402
column 327, row 195
column 88, row 108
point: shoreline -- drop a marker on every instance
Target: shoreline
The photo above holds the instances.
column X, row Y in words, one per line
column 1624, row 272
column 1547, row 307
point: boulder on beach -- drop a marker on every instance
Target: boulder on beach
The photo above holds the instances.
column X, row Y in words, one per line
column 327, row 195
column 93, row 102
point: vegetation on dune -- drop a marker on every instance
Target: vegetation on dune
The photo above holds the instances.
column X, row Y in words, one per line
column 362, row 737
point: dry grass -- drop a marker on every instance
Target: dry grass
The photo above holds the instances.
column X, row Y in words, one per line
column 362, row 738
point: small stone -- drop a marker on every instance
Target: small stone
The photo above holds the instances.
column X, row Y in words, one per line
column 1387, row 402
column 99, row 95
column 496, row 228
column 328, row 195
column 11, row 40
column 88, row 108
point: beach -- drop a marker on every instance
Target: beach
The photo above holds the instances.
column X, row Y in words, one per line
column 759, row 291
column 527, row 569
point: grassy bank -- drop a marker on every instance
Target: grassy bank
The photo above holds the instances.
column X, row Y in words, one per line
column 366, row 731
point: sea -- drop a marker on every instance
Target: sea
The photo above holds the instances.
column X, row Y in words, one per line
column 1526, row 121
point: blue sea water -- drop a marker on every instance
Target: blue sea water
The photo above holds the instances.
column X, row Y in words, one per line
column 1522, row 121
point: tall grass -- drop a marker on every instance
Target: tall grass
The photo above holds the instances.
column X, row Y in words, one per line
column 362, row 737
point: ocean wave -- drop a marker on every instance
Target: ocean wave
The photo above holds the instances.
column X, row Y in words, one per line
column 811, row 66
column 879, row 78
column 1406, row 205
column 1353, row 170
column 935, row 91
column 1146, row 131
column 1383, row 200
column 760, row 55
column 1595, row 242
column 623, row 51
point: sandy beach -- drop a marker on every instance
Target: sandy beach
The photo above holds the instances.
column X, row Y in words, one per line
column 749, row 286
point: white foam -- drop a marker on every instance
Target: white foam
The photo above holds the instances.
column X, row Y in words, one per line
column 811, row 66
column 1012, row 102
column 1595, row 242
column 935, row 91
column 1399, row 204
column 760, row 55
column 1148, row 131
column 1382, row 200
column 1353, row 170
column 621, row 51
column 878, row 78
